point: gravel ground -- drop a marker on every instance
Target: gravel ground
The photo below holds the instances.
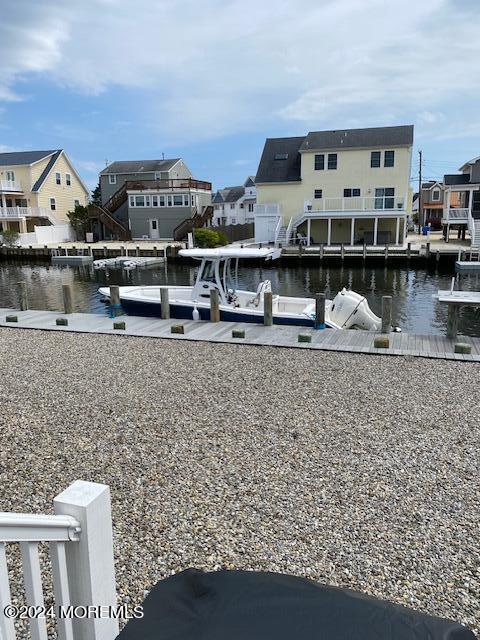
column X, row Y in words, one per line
column 359, row 471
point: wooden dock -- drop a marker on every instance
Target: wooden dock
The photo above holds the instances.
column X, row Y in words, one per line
column 401, row 344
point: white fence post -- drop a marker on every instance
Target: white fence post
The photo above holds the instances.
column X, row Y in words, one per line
column 91, row 573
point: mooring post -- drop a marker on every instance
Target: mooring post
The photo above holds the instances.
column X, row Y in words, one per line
column 104, row 251
column 386, row 251
column 364, row 250
column 22, row 296
column 164, row 304
column 437, row 257
column 342, row 251
column 267, row 309
column 214, row 306
column 427, row 251
column 67, row 298
column 386, row 314
column 452, row 321
column 115, row 306
column 137, row 251
column 319, row 311
column 321, row 251
column 409, row 250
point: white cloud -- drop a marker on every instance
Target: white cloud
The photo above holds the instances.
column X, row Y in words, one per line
column 220, row 67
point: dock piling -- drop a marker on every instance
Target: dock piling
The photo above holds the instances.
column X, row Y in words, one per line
column 386, row 251
column 214, row 306
column 427, row 251
column 115, row 305
column 67, row 298
column 386, row 314
column 22, row 295
column 342, row 252
column 267, row 309
column 364, row 250
column 164, row 304
column 319, row 311
column 452, row 321
column 321, row 252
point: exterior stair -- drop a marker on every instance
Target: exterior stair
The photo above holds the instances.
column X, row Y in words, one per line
column 475, row 233
column 196, row 221
column 103, row 216
column 282, row 235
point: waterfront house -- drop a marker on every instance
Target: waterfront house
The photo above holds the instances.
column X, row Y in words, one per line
column 235, row 205
column 347, row 186
column 38, row 188
column 432, row 203
column 462, row 201
column 151, row 199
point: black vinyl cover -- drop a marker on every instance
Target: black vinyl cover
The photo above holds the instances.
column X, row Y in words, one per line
column 246, row 605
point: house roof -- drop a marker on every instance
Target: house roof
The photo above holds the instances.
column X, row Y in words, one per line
column 359, row 138
column 46, row 171
column 280, row 161
column 229, row 194
column 139, row 166
column 24, row 157
column 250, row 181
column 469, row 163
column 431, row 183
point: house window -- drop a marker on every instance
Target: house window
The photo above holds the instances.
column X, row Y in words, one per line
column 161, row 201
column 186, row 201
column 233, row 220
column 76, row 203
column 250, row 208
column 318, row 193
column 385, row 198
column 177, row 201
column 68, row 180
column 351, row 193
column 58, row 178
column 435, row 195
column 139, row 201
column 389, row 159
column 53, row 204
column 232, row 205
column 132, row 201
column 319, row 161
column 156, row 176
column 112, row 178
column 332, row 161
column 10, row 175
column 154, row 201
column 147, row 201
column 375, row 158
column 281, row 156
column 154, row 225
column 169, row 201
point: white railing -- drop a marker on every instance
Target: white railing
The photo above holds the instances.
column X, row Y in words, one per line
column 10, row 185
column 288, row 234
column 383, row 203
column 81, row 554
column 277, row 228
column 272, row 209
column 22, row 212
column 458, row 214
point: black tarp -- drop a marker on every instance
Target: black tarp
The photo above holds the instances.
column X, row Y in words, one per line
column 246, row 605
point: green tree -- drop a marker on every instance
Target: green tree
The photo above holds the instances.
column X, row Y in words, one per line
column 96, row 197
column 9, row 237
column 80, row 221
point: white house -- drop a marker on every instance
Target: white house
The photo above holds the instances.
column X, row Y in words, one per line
column 235, row 205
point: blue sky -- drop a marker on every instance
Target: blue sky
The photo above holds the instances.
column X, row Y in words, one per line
column 209, row 81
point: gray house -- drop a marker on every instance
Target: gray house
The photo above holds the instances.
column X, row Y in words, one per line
column 152, row 199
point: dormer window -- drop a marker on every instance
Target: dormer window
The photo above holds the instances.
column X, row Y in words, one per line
column 281, row 156
column 435, row 195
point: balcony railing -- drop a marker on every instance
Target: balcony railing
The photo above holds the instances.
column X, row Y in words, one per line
column 456, row 214
column 383, row 203
column 173, row 183
column 24, row 212
column 10, row 185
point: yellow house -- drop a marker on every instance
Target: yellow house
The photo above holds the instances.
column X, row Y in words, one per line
column 38, row 188
column 349, row 186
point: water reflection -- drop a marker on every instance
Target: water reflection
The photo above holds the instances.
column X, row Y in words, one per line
column 413, row 306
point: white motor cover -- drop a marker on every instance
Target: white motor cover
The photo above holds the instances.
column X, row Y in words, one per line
column 350, row 310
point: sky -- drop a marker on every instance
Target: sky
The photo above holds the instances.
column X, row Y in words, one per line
column 208, row 81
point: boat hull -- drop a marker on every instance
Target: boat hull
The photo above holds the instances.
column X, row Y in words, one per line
column 184, row 312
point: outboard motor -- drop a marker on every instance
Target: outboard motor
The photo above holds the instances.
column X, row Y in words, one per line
column 350, row 310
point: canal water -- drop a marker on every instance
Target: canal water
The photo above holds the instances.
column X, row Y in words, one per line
column 414, row 309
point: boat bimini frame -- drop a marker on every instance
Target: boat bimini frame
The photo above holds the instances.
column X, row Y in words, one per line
column 215, row 272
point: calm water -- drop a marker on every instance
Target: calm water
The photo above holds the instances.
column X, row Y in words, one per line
column 413, row 307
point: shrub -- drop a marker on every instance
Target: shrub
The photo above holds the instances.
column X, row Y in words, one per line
column 10, row 237
column 208, row 238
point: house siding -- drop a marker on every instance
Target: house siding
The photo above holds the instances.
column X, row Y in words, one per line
column 64, row 195
column 168, row 218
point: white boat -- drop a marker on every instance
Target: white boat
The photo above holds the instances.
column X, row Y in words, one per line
column 348, row 310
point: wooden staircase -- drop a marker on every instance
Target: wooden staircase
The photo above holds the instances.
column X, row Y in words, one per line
column 103, row 216
column 197, row 221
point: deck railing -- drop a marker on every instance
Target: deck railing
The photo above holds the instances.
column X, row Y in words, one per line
column 381, row 203
column 22, row 212
column 81, row 554
column 10, row 185
column 458, row 214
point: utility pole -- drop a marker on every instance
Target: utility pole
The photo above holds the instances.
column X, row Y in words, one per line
column 420, row 199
